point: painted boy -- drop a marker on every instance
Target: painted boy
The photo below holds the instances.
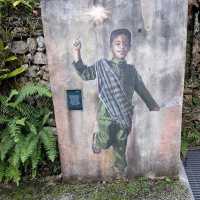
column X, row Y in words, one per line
column 117, row 82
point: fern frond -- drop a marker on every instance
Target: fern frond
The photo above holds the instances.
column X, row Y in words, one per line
column 32, row 128
column 3, row 100
column 4, row 132
column 35, row 159
column 46, row 118
column 2, row 170
column 45, row 102
column 30, row 145
column 4, row 119
column 23, row 109
column 12, row 94
column 14, row 159
column 6, row 144
column 4, row 109
column 32, row 89
column 34, row 124
column 23, row 134
column 21, row 121
column 49, row 140
column 14, row 129
column 13, row 174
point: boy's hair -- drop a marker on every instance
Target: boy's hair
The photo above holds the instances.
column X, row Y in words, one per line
column 121, row 31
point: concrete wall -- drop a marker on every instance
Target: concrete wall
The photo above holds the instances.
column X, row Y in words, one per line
column 158, row 53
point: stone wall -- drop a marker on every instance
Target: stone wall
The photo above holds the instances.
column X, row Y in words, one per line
column 193, row 40
column 26, row 41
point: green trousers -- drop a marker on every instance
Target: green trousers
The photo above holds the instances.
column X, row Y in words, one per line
column 111, row 134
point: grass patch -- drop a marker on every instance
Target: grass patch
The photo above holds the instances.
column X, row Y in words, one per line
column 140, row 188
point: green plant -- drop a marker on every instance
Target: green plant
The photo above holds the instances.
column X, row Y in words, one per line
column 190, row 137
column 191, row 116
column 15, row 3
column 25, row 132
column 6, row 59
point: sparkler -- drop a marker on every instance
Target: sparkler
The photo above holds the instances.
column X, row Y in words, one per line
column 98, row 14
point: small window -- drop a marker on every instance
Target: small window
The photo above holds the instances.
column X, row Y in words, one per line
column 74, row 100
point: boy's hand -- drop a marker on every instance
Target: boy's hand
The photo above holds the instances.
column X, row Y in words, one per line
column 77, row 44
column 156, row 108
column 77, row 50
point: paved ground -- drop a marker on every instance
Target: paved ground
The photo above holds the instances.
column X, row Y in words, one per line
column 192, row 168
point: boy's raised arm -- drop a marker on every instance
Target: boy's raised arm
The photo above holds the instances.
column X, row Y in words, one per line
column 145, row 94
column 77, row 50
column 85, row 72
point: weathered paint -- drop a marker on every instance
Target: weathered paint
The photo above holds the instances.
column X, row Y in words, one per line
column 158, row 52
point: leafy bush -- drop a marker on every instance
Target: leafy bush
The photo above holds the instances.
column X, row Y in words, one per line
column 25, row 132
column 14, row 3
column 6, row 59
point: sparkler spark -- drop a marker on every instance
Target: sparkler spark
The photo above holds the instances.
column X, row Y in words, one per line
column 98, row 14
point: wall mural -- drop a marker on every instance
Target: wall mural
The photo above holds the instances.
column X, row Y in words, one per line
column 117, row 81
column 117, row 76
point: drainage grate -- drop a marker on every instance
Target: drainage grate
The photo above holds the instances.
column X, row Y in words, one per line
column 192, row 168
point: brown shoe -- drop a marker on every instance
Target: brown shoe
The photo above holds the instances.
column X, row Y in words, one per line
column 95, row 149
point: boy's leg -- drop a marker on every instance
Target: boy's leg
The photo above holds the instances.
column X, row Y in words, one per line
column 109, row 134
column 101, row 139
column 119, row 147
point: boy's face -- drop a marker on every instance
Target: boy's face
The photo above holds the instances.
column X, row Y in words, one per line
column 120, row 47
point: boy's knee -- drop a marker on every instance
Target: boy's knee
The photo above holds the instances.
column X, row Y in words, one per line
column 102, row 140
